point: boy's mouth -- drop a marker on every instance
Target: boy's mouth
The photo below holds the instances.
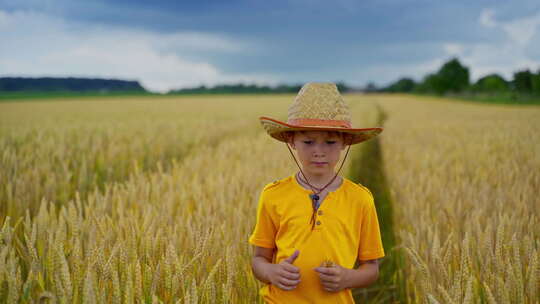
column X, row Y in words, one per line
column 319, row 163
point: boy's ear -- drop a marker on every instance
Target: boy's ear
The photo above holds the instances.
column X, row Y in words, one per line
column 347, row 140
column 290, row 139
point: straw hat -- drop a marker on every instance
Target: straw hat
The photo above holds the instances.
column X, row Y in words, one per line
column 318, row 107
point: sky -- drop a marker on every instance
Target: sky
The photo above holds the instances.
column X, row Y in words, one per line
column 177, row 44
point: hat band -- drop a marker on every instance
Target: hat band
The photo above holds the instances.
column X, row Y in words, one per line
column 319, row 122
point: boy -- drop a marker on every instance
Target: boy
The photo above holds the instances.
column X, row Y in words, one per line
column 313, row 226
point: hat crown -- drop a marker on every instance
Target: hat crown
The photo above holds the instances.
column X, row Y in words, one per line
column 319, row 101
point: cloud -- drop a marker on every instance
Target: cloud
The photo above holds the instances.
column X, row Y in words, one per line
column 505, row 56
column 35, row 44
column 486, row 18
column 453, row 49
column 492, row 55
column 502, row 56
column 522, row 30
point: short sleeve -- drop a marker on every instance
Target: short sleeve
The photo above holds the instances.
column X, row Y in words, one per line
column 370, row 247
column 265, row 228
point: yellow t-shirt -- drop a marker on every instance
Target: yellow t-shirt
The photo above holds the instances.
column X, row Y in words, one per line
column 347, row 229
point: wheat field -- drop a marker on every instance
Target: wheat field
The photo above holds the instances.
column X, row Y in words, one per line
column 465, row 179
column 151, row 200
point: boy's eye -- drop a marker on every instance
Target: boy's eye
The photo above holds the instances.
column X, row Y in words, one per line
column 330, row 142
column 308, row 142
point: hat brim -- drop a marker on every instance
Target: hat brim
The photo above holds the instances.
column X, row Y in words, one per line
column 277, row 129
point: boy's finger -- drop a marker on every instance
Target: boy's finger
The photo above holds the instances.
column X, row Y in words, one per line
column 330, row 288
column 292, row 257
column 325, row 270
column 281, row 286
column 288, row 282
column 329, row 284
column 290, row 275
column 327, row 278
column 290, row 268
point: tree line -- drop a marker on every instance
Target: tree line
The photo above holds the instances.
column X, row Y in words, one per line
column 88, row 85
column 241, row 88
column 454, row 78
column 69, row 84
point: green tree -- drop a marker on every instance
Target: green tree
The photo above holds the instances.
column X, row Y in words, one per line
column 491, row 83
column 402, row 85
column 523, row 81
column 432, row 83
column 453, row 77
column 535, row 82
column 342, row 87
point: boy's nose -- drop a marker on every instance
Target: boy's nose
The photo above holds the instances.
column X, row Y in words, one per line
column 319, row 152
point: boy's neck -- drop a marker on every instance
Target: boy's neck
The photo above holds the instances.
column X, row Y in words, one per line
column 320, row 180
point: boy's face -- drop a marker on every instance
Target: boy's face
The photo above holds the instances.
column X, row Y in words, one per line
column 318, row 151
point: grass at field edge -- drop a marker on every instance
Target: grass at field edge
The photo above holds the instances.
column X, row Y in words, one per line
column 390, row 286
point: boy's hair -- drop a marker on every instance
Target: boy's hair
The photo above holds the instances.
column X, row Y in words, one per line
column 347, row 138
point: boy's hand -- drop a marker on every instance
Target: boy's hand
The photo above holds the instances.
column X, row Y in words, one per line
column 285, row 275
column 333, row 278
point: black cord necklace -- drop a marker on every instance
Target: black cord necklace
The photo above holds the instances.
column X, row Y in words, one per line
column 316, row 191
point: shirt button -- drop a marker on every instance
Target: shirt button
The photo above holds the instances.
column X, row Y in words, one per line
column 320, row 212
column 318, row 222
